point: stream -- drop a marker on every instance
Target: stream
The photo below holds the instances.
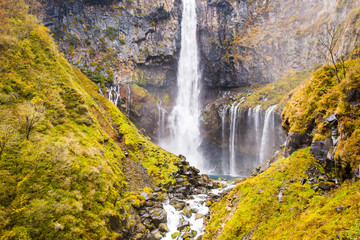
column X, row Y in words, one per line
column 190, row 223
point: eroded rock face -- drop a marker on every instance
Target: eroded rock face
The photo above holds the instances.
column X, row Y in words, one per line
column 123, row 40
column 244, row 42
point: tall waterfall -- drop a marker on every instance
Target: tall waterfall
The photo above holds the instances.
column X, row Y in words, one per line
column 184, row 119
column 161, row 121
column 267, row 133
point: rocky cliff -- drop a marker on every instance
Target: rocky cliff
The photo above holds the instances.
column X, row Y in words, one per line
column 244, row 42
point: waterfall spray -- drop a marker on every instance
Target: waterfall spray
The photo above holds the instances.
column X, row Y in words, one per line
column 184, row 119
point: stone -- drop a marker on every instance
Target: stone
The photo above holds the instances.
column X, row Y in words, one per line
column 146, row 195
column 187, row 211
column 175, row 235
column 199, row 216
column 177, row 204
column 183, row 224
column 280, row 197
column 163, row 227
column 157, row 234
column 330, row 119
column 158, row 215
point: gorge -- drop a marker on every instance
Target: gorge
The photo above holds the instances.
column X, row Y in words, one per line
column 179, row 119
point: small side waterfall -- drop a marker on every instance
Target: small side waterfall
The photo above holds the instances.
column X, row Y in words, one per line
column 232, row 140
column 114, row 95
column 184, row 123
column 161, row 121
column 267, row 133
column 252, row 136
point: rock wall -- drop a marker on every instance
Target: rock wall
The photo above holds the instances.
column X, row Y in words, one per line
column 122, row 40
column 244, row 42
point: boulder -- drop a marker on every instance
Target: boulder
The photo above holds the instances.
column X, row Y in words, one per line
column 163, row 227
column 187, row 211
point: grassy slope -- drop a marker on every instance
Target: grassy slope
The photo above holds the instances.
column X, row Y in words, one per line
column 275, row 93
column 66, row 181
column 304, row 214
column 323, row 96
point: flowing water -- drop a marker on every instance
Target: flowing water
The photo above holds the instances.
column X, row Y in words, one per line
column 267, row 133
column 196, row 203
column 184, row 119
column 161, row 121
column 232, row 139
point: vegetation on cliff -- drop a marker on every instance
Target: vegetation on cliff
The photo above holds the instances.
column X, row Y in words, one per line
column 64, row 148
column 282, row 204
column 297, row 198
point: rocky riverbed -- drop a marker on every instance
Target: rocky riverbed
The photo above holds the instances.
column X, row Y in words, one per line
column 178, row 211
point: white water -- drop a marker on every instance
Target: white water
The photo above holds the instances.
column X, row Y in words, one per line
column 225, row 165
column 198, row 203
column 232, row 139
column 114, row 94
column 184, row 119
column 268, row 127
column 161, row 121
column 256, row 117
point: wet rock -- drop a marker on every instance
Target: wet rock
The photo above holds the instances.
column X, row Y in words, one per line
column 198, row 216
column 177, row 204
column 175, row 235
column 183, row 225
column 189, row 235
column 158, row 215
column 187, row 211
column 163, row 227
column 157, row 234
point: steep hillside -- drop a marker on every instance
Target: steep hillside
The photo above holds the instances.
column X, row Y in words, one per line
column 69, row 157
column 313, row 193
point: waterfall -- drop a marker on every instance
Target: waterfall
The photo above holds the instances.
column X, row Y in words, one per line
column 256, row 113
column 184, row 119
column 225, row 165
column 114, row 94
column 232, row 139
column 161, row 120
column 267, row 134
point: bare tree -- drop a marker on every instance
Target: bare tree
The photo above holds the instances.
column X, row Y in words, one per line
column 327, row 48
column 30, row 116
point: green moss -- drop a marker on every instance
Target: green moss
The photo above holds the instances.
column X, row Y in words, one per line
column 303, row 213
column 276, row 93
column 66, row 180
column 319, row 98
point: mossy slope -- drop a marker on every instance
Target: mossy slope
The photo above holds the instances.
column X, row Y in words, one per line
column 64, row 179
column 253, row 208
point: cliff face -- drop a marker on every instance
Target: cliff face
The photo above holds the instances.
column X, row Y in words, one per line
column 122, row 40
column 244, row 42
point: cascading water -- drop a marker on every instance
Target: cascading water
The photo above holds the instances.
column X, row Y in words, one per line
column 161, row 121
column 232, row 139
column 225, row 164
column 251, row 138
column 114, row 94
column 184, row 119
column 268, row 128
